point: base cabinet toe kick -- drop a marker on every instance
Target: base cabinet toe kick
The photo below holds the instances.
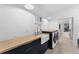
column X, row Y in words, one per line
column 34, row 47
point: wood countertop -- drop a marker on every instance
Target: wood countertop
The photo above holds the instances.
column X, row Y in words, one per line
column 7, row 45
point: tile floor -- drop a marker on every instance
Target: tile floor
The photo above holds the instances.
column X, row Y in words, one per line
column 64, row 46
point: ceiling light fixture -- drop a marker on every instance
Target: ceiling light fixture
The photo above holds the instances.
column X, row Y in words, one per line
column 29, row 6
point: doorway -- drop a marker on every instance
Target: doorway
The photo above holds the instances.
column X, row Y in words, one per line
column 68, row 26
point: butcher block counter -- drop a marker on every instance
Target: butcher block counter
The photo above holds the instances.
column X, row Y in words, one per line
column 7, row 45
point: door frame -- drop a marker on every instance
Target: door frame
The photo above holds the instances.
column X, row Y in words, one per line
column 72, row 20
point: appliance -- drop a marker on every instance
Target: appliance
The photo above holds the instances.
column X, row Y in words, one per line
column 44, row 38
column 54, row 41
column 44, row 42
column 53, row 38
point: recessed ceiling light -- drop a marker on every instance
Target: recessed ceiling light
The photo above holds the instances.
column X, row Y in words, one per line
column 29, row 6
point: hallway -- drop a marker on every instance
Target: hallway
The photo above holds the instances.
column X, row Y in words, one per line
column 64, row 46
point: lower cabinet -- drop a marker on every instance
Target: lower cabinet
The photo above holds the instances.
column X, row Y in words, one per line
column 34, row 47
column 30, row 48
column 44, row 47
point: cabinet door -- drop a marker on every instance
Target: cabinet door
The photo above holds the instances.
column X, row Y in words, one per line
column 44, row 47
column 35, row 49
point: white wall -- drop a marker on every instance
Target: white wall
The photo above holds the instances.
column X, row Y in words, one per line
column 53, row 25
column 50, row 25
column 15, row 22
column 44, row 24
column 74, row 12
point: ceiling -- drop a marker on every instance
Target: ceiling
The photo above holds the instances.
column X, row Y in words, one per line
column 45, row 10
